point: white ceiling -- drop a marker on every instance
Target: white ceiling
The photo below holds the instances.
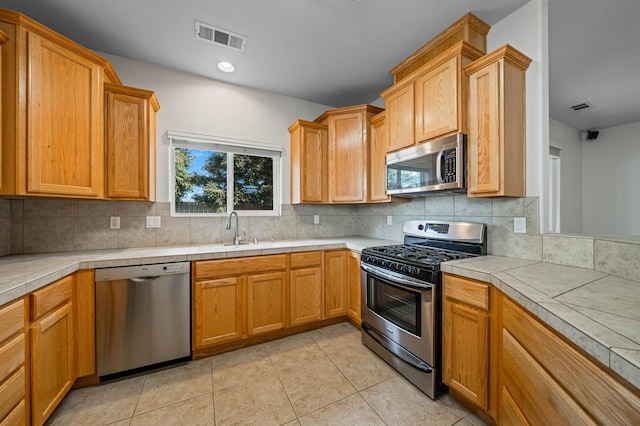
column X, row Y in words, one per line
column 339, row 52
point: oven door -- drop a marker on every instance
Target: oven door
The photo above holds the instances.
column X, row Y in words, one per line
column 400, row 310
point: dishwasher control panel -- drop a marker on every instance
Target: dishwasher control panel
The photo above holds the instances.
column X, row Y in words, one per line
column 142, row 271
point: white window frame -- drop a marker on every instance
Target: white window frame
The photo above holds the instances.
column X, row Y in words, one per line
column 230, row 146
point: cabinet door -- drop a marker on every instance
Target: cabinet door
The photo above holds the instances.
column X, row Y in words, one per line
column 534, row 394
column 378, row 160
column 64, row 122
column 347, row 161
column 306, row 295
column 52, row 361
column 218, row 312
column 436, row 97
column 353, row 277
column 266, row 302
column 400, row 119
column 484, row 132
column 466, row 352
column 130, row 144
column 336, row 291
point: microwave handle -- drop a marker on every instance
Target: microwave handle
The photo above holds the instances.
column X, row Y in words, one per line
column 439, row 167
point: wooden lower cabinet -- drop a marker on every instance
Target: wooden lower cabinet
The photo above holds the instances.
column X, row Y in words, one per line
column 52, row 361
column 236, row 298
column 342, row 284
column 353, row 287
column 266, row 302
column 12, row 364
column 218, row 311
column 545, row 380
column 243, row 301
column 502, row 360
column 465, row 338
column 306, row 287
column 336, row 285
column 52, row 342
column 47, row 341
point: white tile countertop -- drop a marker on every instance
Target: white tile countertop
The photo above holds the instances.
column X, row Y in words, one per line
column 596, row 311
column 23, row 274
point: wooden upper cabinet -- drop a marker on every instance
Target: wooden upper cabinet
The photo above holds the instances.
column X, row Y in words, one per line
column 349, row 135
column 130, row 115
column 308, row 162
column 347, row 158
column 378, row 159
column 496, row 135
column 438, row 102
column 64, row 122
column 52, row 113
column 431, row 102
column 400, row 116
column 330, row 157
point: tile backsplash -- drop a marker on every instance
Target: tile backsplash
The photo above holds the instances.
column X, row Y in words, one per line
column 41, row 226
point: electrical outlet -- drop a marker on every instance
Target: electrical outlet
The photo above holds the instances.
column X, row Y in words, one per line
column 520, row 225
column 316, row 219
column 114, row 222
column 389, row 220
column 153, row 221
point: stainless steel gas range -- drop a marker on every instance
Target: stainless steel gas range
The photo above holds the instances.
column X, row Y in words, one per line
column 401, row 297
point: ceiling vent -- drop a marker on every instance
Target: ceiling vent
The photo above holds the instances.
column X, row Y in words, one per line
column 216, row 35
column 581, row 107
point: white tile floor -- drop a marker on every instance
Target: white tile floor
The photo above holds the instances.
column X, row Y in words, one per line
column 322, row 377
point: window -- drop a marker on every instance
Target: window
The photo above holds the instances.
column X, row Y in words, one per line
column 214, row 176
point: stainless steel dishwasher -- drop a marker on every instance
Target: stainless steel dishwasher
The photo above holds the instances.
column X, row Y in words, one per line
column 143, row 317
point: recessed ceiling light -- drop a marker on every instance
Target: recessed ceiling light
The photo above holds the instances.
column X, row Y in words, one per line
column 226, row 66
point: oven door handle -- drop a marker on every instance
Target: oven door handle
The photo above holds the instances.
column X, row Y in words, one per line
column 395, row 278
column 402, row 354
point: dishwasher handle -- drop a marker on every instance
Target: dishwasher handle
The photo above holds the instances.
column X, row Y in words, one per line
column 144, row 279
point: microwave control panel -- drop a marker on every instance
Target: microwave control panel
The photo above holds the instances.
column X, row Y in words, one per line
column 449, row 165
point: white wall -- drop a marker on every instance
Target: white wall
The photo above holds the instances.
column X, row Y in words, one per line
column 194, row 104
column 611, row 181
column 526, row 29
column 569, row 141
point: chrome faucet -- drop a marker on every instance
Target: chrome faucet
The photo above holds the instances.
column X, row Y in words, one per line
column 236, row 238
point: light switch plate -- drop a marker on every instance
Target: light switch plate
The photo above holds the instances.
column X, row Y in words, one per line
column 520, row 225
column 389, row 220
column 114, row 222
column 153, row 221
column 316, row 219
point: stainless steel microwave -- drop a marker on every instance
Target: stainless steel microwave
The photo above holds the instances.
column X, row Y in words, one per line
column 431, row 168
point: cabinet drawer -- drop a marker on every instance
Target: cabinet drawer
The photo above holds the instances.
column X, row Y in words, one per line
column 239, row 266
column 11, row 319
column 11, row 392
column 17, row 416
column 306, row 259
column 47, row 298
column 11, row 356
column 471, row 292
